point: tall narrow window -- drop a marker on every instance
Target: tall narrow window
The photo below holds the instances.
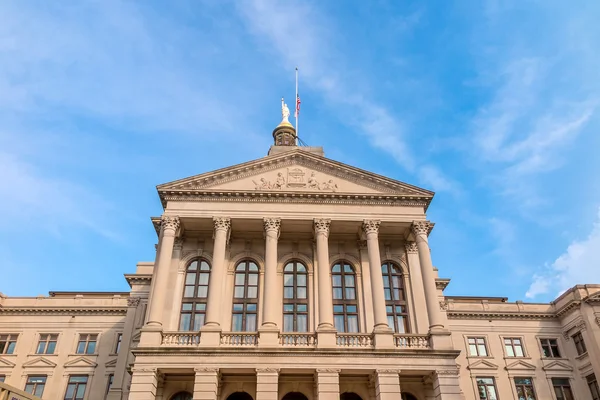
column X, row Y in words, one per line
column 195, row 293
column 295, row 297
column 47, row 344
column 2, row 378
column 76, row 387
column 245, row 297
column 109, row 383
column 579, row 343
column 345, row 308
column 118, row 344
column 562, row 389
column 395, row 297
column 487, row 388
column 593, row 385
column 525, row 389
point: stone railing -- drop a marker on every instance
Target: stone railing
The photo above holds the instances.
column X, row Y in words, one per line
column 364, row 340
column 237, row 339
column 289, row 339
column 411, row 341
column 180, row 339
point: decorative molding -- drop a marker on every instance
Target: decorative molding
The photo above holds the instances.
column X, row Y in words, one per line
column 267, row 370
column 133, row 301
column 598, row 321
column 178, row 244
column 441, row 283
column 498, row 315
column 454, row 372
column 411, row 247
column 520, row 365
column 144, row 370
column 568, row 308
column 295, row 180
column 482, row 364
column 322, row 226
column 388, row 371
column 328, row 371
column 371, row 226
column 170, row 223
column 81, row 362
column 63, row 310
column 222, row 223
column 422, row 228
column 39, row 362
column 199, row 370
column 443, row 305
column 557, row 366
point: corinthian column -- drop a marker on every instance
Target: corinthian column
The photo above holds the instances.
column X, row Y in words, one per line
column 217, row 273
column 168, row 229
column 371, row 230
column 421, row 230
column 324, row 277
column 272, row 302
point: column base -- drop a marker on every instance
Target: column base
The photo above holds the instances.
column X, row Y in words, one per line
column 151, row 336
column 441, row 339
column 326, row 338
column 210, row 335
column 268, row 336
column 383, row 339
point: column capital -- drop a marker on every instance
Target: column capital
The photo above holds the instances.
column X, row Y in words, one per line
column 328, row 371
column 267, row 371
column 388, row 371
column 222, row 223
column 422, row 228
column 272, row 224
column 371, row 226
column 322, row 226
column 133, row 301
column 204, row 370
column 411, row 247
column 169, row 223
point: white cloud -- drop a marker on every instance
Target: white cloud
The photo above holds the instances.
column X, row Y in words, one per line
column 579, row 264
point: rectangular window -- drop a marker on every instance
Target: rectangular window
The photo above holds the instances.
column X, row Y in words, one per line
column 8, row 342
column 76, row 387
column 244, row 317
column 579, row 343
column 486, row 388
column 562, row 389
column 593, row 385
column 35, row 385
column 109, row 384
column 513, row 347
column 87, row 343
column 550, row 348
column 2, row 378
column 345, row 318
column 525, row 389
column 477, row 347
column 47, row 344
column 118, row 345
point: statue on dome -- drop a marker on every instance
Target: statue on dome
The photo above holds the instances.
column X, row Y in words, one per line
column 285, row 112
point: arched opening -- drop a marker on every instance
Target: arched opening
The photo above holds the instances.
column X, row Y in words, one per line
column 350, row 396
column 182, row 396
column 408, row 396
column 239, row 396
column 294, row 396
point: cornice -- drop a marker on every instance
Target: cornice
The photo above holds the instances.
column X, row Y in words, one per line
column 442, row 283
column 138, row 279
column 64, row 310
column 568, row 308
column 498, row 315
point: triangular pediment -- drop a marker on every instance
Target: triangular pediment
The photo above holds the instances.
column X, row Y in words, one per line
column 520, row 365
column 483, row 364
column 557, row 366
column 39, row 362
column 81, row 362
column 111, row 363
column 295, row 171
column 4, row 363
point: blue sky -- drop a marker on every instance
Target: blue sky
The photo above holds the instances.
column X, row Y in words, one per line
column 493, row 105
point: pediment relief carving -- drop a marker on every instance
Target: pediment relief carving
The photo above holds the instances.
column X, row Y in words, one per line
column 557, row 366
column 39, row 362
column 80, row 362
column 520, row 365
column 4, row 363
column 482, row 364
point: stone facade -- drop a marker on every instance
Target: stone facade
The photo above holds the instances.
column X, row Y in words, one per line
column 268, row 285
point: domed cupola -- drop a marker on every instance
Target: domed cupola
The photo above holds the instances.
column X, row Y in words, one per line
column 285, row 133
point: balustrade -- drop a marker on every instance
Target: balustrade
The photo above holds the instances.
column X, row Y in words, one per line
column 298, row 339
column 236, row 339
column 408, row 341
column 364, row 340
column 180, row 339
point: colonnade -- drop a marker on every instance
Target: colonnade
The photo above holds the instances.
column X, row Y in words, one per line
column 272, row 307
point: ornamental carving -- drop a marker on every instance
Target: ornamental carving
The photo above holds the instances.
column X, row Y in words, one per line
column 371, row 226
column 422, row 228
column 411, row 247
column 171, row 223
column 388, row 371
column 296, row 178
column 328, row 370
column 447, row 372
column 443, row 305
column 267, row 370
column 322, row 225
column 272, row 224
column 133, row 301
column 206, row 369
column 178, row 245
column 222, row 223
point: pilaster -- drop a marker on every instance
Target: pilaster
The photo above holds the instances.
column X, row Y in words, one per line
column 325, row 330
column 328, row 384
column 418, row 291
column 387, row 384
column 446, row 385
column 267, row 383
column 206, row 383
column 272, row 301
column 144, row 383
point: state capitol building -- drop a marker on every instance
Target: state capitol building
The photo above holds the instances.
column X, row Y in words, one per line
column 296, row 277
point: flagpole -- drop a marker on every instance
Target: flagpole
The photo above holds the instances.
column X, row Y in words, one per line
column 297, row 114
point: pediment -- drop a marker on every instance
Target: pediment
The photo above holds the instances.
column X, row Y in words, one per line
column 39, row 362
column 557, row 366
column 111, row 363
column 291, row 172
column 4, row 363
column 483, row 364
column 81, row 362
column 520, row 365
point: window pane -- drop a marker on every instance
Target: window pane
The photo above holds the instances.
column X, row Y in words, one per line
column 91, row 348
column 238, row 292
column 202, row 291
column 302, row 323
column 390, row 320
column 519, row 351
column 302, row 307
column 288, row 280
column 482, row 350
column 386, row 281
column 193, row 266
column 389, row 309
column 198, row 321
column 252, row 292
column 252, row 267
column 338, row 322
column 352, row 323
column 398, row 295
column 41, row 347
column 401, row 324
column 184, row 323
column 204, row 266
column 186, row 306
column 253, row 279
column 338, row 308
column 236, row 323
column 349, row 280
column 351, row 309
column 348, row 268
column 337, row 293
column 350, row 295
column 384, row 268
column 11, row 348
column 81, row 390
column 288, row 323
column 251, row 323
column 240, row 279
column 300, row 268
column 301, row 280
column 80, row 347
column 509, row 351
column 288, row 307
column 336, row 268
column 189, row 291
column 251, row 307
column 388, row 294
column 190, row 279
column 472, row 350
column 70, row 391
column 51, row 347
column 337, row 280
column 289, row 267
column 238, row 307
column 203, row 279
column 288, row 293
column 396, row 281
column 301, row 293
column 200, row 307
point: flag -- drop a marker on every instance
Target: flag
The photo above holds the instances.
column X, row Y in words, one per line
column 297, row 106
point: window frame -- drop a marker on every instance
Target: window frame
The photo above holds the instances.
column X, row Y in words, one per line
column 9, row 338
column 76, row 385
column 592, row 383
column 524, row 386
column 87, row 341
column 295, row 302
column 392, row 302
column 109, row 383
column 2, row 378
column 550, row 347
column 562, row 387
column 118, row 343
column 344, row 302
column 46, row 341
column 486, row 387
column 487, row 350
column 579, row 343
column 35, row 385
column 195, row 306
column 513, row 346
column 244, row 301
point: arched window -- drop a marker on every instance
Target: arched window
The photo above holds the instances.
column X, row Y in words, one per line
column 395, row 297
column 295, row 297
column 345, row 308
column 245, row 297
column 195, row 292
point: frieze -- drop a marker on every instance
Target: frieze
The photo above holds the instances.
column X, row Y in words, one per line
column 133, row 301
column 267, row 370
column 388, row 371
column 206, row 369
column 328, row 371
column 295, row 179
column 447, row 372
